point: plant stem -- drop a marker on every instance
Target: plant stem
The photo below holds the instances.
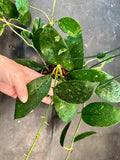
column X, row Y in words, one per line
column 106, row 52
column 109, row 80
column 41, row 12
column 53, row 11
column 17, row 34
column 30, row 45
column 90, row 61
column 78, row 126
column 104, row 60
column 17, row 27
column 41, row 57
column 80, row 121
column 38, row 134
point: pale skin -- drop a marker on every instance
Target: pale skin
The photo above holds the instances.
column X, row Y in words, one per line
column 15, row 77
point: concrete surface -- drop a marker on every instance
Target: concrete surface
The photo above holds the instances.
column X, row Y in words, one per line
column 100, row 20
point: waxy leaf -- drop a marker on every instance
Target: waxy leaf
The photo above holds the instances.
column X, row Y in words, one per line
column 101, row 55
column 36, row 38
column 27, row 34
column 84, row 135
column 37, row 23
column 101, row 114
column 66, row 111
column 70, row 26
column 1, row 30
column 75, row 91
column 28, row 63
column 52, row 45
column 63, row 134
column 25, row 19
column 76, row 50
column 1, row 12
column 9, row 8
column 37, row 90
column 109, row 92
column 22, row 6
column 91, row 75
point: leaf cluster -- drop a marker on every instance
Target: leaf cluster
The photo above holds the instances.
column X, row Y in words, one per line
column 68, row 53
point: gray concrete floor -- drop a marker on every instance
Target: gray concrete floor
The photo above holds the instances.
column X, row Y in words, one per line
column 100, row 21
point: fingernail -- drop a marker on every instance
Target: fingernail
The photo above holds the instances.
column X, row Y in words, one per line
column 24, row 99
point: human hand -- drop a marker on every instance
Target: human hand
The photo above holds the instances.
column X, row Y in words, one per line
column 14, row 77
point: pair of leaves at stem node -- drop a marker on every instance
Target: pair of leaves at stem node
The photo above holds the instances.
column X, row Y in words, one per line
column 98, row 114
column 77, row 138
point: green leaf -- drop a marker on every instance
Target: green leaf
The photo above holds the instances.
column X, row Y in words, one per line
column 37, row 90
column 1, row 30
column 101, row 55
column 52, row 45
column 37, row 23
column 75, row 91
column 66, row 111
column 110, row 59
column 25, row 19
column 28, row 63
column 70, row 26
column 101, row 114
column 1, row 12
column 36, row 38
column 27, row 34
column 109, row 92
column 84, row 135
column 76, row 50
column 63, row 134
column 22, row 6
column 91, row 75
column 9, row 8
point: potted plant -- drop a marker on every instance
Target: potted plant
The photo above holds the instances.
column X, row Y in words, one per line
column 74, row 82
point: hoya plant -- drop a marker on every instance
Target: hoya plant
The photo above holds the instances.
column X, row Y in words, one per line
column 63, row 59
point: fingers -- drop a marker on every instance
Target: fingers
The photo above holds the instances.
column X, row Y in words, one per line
column 8, row 90
column 20, row 86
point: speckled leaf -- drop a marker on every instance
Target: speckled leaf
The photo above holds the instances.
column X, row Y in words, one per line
column 75, row 91
column 66, row 111
column 101, row 114
column 84, row 135
column 91, row 75
column 37, row 23
column 28, row 63
column 52, row 45
column 37, row 90
column 70, row 26
column 63, row 134
column 109, row 92
column 25, row 19
column 22, row 6
column 76, row 49
column 9, row 8
column 1, row 30
column 36, row 38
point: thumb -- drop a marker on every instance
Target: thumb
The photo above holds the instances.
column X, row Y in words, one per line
column 20, row 87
